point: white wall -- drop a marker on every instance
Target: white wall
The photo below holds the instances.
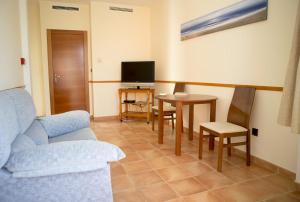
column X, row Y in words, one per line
column 11, row 72
column 253, row 54
column 24, row 43
column 116, row 37
column 35, row 52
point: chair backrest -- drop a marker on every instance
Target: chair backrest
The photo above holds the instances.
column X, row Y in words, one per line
column 179, row 87
column 241, row 106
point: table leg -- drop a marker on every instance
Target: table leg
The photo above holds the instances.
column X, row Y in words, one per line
column 191, row 121
column 212, row 119
column 148, row 107
column 160, row 122
column 178, row 128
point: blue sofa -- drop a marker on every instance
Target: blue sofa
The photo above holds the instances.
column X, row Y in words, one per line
column 52, row 158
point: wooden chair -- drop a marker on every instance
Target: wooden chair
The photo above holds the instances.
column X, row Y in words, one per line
column 237, row 125
column 168, row 110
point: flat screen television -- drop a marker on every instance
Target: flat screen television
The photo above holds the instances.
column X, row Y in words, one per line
column 139, row 73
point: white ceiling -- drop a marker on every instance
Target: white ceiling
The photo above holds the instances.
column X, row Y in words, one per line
column 130, row 2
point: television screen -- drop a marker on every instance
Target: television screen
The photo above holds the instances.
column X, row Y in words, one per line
column 138, row 72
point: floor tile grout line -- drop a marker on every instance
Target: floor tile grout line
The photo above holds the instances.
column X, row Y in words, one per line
column 164, row 181
column 178, row 195
column 276, row 195
column 193, row 176
column 168, row 182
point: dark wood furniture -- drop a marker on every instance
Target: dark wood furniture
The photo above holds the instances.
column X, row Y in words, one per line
column 191, row 100
column 237, row 125
column 170, row 110
column 123, row 95
column 68, row 70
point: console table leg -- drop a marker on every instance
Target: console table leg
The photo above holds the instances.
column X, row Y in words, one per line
column 191, row 121
column 160, row 122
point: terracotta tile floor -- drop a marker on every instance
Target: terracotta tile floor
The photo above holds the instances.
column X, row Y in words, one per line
column 152, row 172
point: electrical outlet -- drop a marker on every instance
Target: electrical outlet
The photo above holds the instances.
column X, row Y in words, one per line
column 255, row 131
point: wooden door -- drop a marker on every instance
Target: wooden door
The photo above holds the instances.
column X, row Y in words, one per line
column 68, row 75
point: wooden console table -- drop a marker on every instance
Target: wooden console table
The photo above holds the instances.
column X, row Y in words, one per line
column 133, row 114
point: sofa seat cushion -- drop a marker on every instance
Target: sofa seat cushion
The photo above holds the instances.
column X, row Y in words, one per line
column 92, row 186
column 37, row 133
column 22, row 142
column 224, row 127
column 63, row 157
column 82, row 134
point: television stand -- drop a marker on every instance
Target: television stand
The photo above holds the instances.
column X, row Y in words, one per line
column 139, row 88
column 125, row 114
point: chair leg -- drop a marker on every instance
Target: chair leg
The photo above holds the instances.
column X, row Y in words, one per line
column 248, row 156
column 172, row 116
column 220, row 152
column 182, row 124
column 211, row 142
column 153, row 120
column 229, row 148
column 200, row 142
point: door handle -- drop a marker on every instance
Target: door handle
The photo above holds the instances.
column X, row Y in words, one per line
column 57, row 78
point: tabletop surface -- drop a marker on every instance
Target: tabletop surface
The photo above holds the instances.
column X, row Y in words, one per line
column 186, row 98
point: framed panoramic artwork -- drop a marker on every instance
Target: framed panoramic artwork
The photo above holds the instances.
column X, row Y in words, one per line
column 241, row 13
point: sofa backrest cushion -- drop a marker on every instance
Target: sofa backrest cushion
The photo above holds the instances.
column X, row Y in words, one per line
column 9, row 127
column 37, row 133
column 22, row 142
column 24, row 107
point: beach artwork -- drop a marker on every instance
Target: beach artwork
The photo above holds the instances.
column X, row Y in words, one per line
column 241, row 13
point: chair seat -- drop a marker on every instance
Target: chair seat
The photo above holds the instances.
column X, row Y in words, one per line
column 224, row 127
column 166, row 108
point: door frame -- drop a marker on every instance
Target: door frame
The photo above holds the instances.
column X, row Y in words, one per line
column 50, row 67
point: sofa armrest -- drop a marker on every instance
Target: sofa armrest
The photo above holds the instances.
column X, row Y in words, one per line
column 59, row 124
column 62, row 158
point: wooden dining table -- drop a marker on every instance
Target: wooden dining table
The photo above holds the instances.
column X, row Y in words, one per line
column 179, row 101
